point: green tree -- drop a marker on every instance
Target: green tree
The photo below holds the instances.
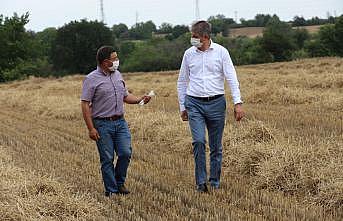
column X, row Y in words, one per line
column 142, row 30
column 13, row 40
column 299, row 21
column 278, row 40
column 46, row 39
column 179, row 30
column 300, row 36
column 217, row 23
column 338, row 36
column 120, row 31
column 220, row 24
column 165, row 28
column 76, row 45
column 17, row 47
column 327, row 39
column 262, row 20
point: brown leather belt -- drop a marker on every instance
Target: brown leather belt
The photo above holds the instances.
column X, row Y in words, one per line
column 112, row 118
column 207, row 98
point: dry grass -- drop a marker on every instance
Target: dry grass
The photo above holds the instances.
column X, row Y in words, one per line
column 28, row 196
column 253, row 32
column 283, row 162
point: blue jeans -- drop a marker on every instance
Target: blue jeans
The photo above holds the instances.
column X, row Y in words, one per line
column 115, row 138
column 210, row 115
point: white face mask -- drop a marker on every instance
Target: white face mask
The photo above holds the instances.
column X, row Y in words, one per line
column 115, row 65
column 196, row 42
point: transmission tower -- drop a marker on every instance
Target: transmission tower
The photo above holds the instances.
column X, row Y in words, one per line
column 197, row 11
column 102, row 10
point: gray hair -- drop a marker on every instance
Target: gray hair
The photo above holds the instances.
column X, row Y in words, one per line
column 202, row 28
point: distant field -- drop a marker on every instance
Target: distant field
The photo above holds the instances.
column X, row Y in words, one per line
column 253, row 32
column 283, row 162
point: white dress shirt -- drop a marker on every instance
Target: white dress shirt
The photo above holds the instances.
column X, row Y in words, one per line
column 202, row 74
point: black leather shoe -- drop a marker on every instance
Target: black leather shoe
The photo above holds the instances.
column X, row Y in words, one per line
column 123, row 190
column 202, row 188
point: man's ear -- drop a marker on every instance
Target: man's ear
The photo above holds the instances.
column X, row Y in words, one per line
column 104, row 63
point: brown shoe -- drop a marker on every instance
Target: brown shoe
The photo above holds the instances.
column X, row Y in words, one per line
column 122, row 190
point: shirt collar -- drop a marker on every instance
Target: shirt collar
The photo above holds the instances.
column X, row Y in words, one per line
column 100, row 71
column 211, row 45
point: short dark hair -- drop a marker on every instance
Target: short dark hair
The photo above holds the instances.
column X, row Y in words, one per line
column 104, row 53
column 202, row 28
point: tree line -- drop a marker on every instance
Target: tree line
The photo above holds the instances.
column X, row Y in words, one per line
column 71, row 48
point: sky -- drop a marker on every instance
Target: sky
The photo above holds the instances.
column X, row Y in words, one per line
column 45, row 13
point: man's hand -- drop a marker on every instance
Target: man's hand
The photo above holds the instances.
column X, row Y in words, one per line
column 94, row 135
column 146, row 99
column 184, row 115
column 238, row 112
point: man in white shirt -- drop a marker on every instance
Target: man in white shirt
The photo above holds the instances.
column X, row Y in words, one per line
column 202, row 102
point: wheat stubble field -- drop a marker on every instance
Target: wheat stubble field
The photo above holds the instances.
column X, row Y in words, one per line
column 283, row 162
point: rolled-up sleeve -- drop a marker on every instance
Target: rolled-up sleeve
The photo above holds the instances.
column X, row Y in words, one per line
column 87, row 90
column 182, row 82
column 126, row 91
column 231, row 77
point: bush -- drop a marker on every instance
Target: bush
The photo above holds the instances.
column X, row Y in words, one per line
column 38, row 68
column 157, row 55
column 315, row 49
column 299, row 54
column 300, row 36
column 245, row 50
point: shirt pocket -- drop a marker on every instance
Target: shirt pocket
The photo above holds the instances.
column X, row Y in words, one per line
column 104, row 90
column 120, row 88
column 214, row 64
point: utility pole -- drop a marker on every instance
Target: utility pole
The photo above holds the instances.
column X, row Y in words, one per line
column 197, row 11
column 236, row 17
column 102, row 10
column 136, row 18
column 328, row 14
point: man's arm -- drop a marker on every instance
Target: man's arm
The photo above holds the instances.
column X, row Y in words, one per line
column 88, row 90
column 131, row 99
column 231, row 77
column 87, row 116
column 182, row 84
